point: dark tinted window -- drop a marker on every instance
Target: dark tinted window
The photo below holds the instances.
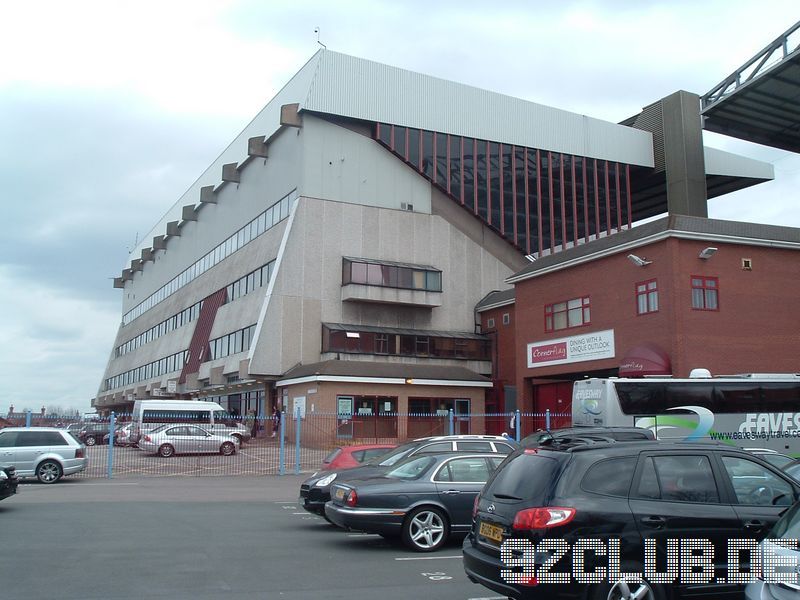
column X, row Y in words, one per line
column 358, row 455
column 438, row 447
column 465, row 470
column 611, row 477
column 683, row 478
column 503, row 448
column 527, row 476
column 374, row 453
column 754, row 484
column 40, row 438
column 474, row 446
column 8, row 439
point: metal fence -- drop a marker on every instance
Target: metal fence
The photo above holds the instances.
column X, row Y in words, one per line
column 289, row 444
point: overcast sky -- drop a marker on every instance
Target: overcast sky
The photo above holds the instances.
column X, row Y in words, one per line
column 110, row 110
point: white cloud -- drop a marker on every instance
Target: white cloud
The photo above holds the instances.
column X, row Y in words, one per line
column 53, row 345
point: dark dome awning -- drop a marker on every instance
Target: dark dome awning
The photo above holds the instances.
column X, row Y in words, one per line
column 645, row 359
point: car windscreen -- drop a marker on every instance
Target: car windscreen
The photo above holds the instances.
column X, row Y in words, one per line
column 526, row 477
column 412, row 468
column 393, row 457
column 788, row 526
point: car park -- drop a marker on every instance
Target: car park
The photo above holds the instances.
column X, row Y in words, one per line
column 619, row 494
column 779, row 575
column 423, row 499
column 315, row 491
column 349, row 457
column 8, row 482
column 169, row 440
column 45, row 453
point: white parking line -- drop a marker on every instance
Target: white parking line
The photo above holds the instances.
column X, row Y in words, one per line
column 427, row 557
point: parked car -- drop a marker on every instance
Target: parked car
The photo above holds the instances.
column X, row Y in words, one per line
column 8, row 482
column 94, row 433
column 773, row 457
column 423, row 499
column 122, row 435
column 620, row 434
column 187, row 439
column 348, row 457
column 625, row 493
column 783, row 583
column 316, row 490
column 41, row 452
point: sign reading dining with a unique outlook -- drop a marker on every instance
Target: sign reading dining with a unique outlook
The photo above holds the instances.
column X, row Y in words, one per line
column 576, row 348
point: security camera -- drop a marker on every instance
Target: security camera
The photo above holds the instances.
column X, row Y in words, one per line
column 707, row 253
column 638, row 261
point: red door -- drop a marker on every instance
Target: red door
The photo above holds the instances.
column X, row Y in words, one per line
column 556, row 397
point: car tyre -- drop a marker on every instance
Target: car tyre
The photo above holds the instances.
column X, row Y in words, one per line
column 227, row 448
column 628, row 590
column 49, row 471
column 90, row 441
column 166, row 450
column 425, row 529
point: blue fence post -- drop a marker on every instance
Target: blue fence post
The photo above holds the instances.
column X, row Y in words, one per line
column 282, row 452
column 517, row 425
column 27, row 418
column 297, row 428
column 451, row 425
column 111, row 428
column 547, row 419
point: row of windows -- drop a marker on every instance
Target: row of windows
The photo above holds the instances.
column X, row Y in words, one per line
column 258, row 278
column 577, row 311
column 409, row 278
column 365, row 342
column 168, row 364
column 187, row 315
column 538, row 200
column 262, row 223
column 252, row 281
column 653, row 398
column 232, row 343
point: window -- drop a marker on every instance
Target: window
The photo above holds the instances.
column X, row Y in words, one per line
column 753, row 484
column 684, row 478
column 506, row 318
column 705, row 293
column 381, row 343
column 567, row 314
column 490, row 323
column 610, row 477
column 646, row 297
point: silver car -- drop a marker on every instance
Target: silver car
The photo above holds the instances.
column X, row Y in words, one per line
column 187, row 439
column 42, row 452
column 779, row 575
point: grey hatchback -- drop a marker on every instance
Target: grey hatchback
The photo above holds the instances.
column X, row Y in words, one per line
column 41, row 452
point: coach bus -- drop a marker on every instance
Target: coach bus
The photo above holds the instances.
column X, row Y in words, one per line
column 750, row 410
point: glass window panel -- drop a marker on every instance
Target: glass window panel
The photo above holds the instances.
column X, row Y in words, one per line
column 389, row 275
column 413, row 147
column 433, row 281
column 427, row 153
column 374, row 275
column 419, row 280
column 359, row 272
column 405, row 278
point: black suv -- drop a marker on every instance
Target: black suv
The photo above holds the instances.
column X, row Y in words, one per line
column 93, row 433
column 8, row 482
column 635, row 496
column 546, row 437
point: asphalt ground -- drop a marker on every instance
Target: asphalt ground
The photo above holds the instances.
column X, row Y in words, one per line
column 204, row 538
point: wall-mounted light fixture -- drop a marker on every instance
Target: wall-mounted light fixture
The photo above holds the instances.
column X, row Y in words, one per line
column 638, row 261
column 707, row 253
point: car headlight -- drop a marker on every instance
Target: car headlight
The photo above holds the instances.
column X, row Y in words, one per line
column 326, row 481
column 3, row 475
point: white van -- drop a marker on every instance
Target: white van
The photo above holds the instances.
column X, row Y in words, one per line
column 149, row 414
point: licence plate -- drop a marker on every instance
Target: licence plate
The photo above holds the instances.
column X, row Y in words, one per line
column 338, row 493
column 492, row 532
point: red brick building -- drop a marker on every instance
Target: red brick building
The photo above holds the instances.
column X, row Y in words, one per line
column 664, row 298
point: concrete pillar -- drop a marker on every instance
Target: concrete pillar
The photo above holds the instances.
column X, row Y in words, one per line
column 683, row 155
